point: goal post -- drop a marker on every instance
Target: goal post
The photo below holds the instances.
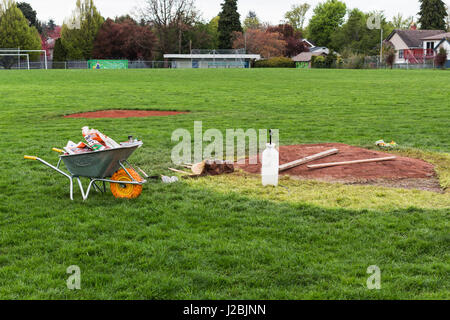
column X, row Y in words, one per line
column 18, row 55
column 19, row 52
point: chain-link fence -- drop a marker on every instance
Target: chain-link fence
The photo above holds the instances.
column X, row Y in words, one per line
column 373, row 62
column 23, row 65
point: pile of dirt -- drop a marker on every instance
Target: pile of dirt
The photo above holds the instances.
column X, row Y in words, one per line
column 116, row 114
column 402, row 173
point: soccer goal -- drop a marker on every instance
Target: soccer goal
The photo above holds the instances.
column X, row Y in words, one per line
column 18, row 53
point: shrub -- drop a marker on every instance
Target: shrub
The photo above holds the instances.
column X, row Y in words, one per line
column 355, row 61
column 318, row 62
column 330, row 60
column 389, row 54
column 278, row 62
column 441, row 58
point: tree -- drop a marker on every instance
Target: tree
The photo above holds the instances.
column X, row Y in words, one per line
column 169, row 18
column 124, row 18
column 297, row 15
column 448, row 19
column 228, row 24
column 398, row 22
column 51, row 24
column 80, row 30
column 432, row 15
column 267, row 44
column 389, row 54
column 293, row 43
column 355, row 37
column 59, row 52
column 15, row 32
column 251, row 21
column 30, row 15
column 124, row 40
column 201, row 35
column 328, row 17
column 213, row 30
column 441, row 58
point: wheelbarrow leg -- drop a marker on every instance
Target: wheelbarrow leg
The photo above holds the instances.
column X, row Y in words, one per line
column 71, row 189
column 84, row 195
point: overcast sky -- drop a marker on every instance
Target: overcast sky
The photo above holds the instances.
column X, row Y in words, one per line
column 268, row 10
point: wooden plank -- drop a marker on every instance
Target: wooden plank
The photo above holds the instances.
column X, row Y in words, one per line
column 325, row 165
column 179, row 171
column 297, row 163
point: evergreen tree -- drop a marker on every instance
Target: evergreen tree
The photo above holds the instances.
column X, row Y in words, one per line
column 432, row 15
column 15, row 32
column 30, row 15
column 251, row 21
column 59, row 52
column 229, row 22
column 79, row 32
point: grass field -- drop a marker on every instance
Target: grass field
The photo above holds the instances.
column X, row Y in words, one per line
column 226, row 237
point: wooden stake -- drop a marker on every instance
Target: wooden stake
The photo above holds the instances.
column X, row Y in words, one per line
column 179, row 171
column 297, row 163
column 325, row 165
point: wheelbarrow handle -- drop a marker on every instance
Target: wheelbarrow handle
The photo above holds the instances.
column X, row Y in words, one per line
column 58, row 150
column 30, row 158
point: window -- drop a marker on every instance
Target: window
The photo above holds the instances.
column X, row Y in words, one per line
column 430, row 45
column 401, row 54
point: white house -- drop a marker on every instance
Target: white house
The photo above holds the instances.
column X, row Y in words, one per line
column 414, row 46
column 444, row 43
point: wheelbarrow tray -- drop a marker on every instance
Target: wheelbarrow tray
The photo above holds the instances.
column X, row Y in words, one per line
column 98, row 164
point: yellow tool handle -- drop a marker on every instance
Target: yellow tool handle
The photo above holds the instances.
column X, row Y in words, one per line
column 30, row 157
column 58, row 150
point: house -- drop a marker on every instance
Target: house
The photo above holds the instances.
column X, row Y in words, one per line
column 308, row 44
column 304, row 59
column 48, row 41
column 444, row 43
column 212, row 60
column 414, row 46
column 320, row 50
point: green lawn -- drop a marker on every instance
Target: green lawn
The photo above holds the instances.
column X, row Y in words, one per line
column 225, row 237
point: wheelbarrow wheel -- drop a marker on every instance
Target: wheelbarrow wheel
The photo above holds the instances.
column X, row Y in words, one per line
column 126, row 191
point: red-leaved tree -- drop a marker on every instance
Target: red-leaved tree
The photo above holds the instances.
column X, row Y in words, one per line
column 294, row 44
column 124, row 40
column 260, row 42
column 48, row 39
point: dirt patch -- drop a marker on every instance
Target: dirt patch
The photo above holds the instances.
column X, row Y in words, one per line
column 401, row 173
column 116, row 114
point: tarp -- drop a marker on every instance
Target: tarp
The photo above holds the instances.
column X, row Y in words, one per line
column 108, row 64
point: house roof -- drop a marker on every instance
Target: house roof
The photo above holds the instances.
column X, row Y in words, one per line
column 320, row 50
column 441, row 42
column 212, row 56
column 305, row 56
column 413, row 38
column 309, row 42
column 438, row 36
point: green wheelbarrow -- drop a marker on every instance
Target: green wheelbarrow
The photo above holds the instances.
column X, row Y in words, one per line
column 105, row 166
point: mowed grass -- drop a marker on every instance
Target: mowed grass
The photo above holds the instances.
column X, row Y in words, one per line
column 225, row 237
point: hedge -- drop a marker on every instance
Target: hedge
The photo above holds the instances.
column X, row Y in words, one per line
column 278, row 62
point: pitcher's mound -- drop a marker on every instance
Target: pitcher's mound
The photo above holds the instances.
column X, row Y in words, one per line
column 403, row 172
column 123, row 114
